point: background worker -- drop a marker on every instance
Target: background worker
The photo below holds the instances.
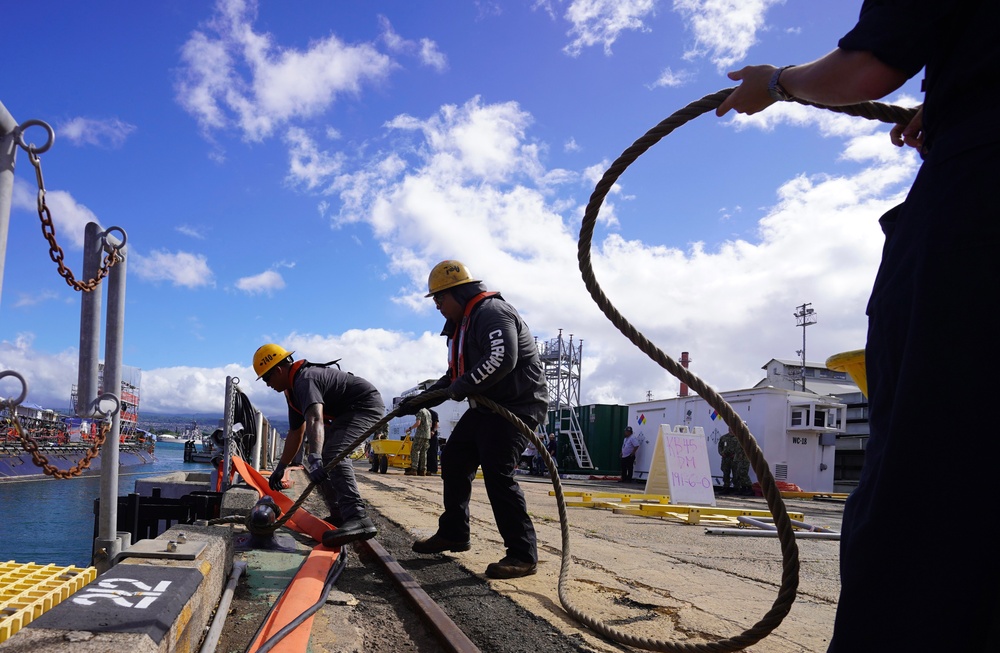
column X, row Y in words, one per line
column 421, row 434
column 735, row 466
column 381, row 434
column 491, row 353
column 331, row 409
column 939, row 258
column 630, row 444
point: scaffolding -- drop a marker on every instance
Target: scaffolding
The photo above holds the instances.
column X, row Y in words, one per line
column 561, row 361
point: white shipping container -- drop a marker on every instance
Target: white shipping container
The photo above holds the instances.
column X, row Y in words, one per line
column 796, row 431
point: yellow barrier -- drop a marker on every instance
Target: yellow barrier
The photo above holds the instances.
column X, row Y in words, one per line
column 27, row 591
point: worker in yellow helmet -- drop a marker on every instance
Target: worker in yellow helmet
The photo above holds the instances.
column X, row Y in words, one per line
column 491, row 353
column 330, row 408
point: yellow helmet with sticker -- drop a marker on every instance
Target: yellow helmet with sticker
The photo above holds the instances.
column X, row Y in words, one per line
column 446, row 275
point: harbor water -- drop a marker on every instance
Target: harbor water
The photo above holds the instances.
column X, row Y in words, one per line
column 51, row 521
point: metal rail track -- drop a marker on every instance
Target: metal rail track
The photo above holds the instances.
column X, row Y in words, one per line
column 446, row 631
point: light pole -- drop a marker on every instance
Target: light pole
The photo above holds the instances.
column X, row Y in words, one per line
column 804, row 316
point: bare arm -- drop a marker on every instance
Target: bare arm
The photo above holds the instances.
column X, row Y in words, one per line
column 314, row 428
column 292, row 443
column 838, row 78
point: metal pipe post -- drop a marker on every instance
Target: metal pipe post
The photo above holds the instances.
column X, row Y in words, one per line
column 259, row 430
column 228, row 432
column 8, row 150
column 90, row 324
column 113, row 348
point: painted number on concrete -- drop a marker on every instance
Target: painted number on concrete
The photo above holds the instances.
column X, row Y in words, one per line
column 126, row 592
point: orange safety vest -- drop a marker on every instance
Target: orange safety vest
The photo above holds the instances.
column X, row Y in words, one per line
column 456, row 346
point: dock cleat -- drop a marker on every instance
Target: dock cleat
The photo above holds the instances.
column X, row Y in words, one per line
column 351, row 531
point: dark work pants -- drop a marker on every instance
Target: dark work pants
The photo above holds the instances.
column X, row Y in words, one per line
column 931, row 361
column 490, row 441
column 340, row 491
column 432, row 455
column 628, row 468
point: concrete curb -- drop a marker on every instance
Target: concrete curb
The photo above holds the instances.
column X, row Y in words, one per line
column 153, row 600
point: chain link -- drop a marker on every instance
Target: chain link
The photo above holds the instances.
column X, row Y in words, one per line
column 42, row 461
column 49, row 232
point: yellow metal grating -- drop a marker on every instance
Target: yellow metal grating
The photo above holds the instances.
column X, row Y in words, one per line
column 27, row 591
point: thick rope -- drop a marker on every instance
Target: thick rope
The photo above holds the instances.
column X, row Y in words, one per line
column 786, row 535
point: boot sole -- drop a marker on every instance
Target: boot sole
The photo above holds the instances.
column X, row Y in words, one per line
column 457, row 548
column 333, row 539
column 502, row 574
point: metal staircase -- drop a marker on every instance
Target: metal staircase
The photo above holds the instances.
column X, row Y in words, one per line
column 561, row 360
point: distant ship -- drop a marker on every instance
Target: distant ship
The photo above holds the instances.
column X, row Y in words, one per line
column 64, row 440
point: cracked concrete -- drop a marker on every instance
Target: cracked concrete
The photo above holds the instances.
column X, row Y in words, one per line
column 652, row 578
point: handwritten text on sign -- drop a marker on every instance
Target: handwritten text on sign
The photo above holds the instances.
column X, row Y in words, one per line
column 688, row 472
column 683, row 464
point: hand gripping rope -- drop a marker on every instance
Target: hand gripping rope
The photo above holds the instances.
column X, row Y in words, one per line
column 786, row 535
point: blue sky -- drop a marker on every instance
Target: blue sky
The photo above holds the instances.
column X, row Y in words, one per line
column 290, row 171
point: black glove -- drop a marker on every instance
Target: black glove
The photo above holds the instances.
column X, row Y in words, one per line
column 454, row 393
column 408, row 406
column 314, row 468
column 277, row 474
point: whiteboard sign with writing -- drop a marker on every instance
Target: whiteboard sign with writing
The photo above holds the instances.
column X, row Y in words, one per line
column 688, row 473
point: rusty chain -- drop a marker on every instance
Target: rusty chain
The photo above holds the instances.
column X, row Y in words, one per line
column 42, row 461
column 49, row 231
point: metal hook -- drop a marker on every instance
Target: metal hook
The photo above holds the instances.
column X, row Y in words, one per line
column 9, row 401
column 111, row 246
column 107, row 396
column 50, row 133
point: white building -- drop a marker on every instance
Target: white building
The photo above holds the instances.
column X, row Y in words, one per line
column 801, row 432
column 850, row 447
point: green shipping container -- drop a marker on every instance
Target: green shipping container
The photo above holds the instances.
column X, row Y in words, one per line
column 603, row 426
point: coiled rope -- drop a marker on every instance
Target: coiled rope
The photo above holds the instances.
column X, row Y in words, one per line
column 786, row 535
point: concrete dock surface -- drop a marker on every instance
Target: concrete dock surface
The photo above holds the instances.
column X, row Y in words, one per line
column 658, row 578
column 651, row 577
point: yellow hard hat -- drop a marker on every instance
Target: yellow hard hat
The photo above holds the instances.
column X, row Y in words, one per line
column 448, row 274
column 267, row 356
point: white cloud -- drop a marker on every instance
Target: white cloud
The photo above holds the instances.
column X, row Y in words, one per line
column 309, row 165
column 110, row 133
column 393, row 361
column 671, row 78
column 179, row 268
column 601, row 22
column 819, row 242
column 724, row 30
column 264, row 283
column 425, row 50
column 48, row 375
column 193, row 232
column 232, row 75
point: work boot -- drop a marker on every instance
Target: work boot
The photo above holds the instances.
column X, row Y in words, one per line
column 334, row 520
column 437, row 544
column 510, row 567
column 410, row 472
column 356, row 529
